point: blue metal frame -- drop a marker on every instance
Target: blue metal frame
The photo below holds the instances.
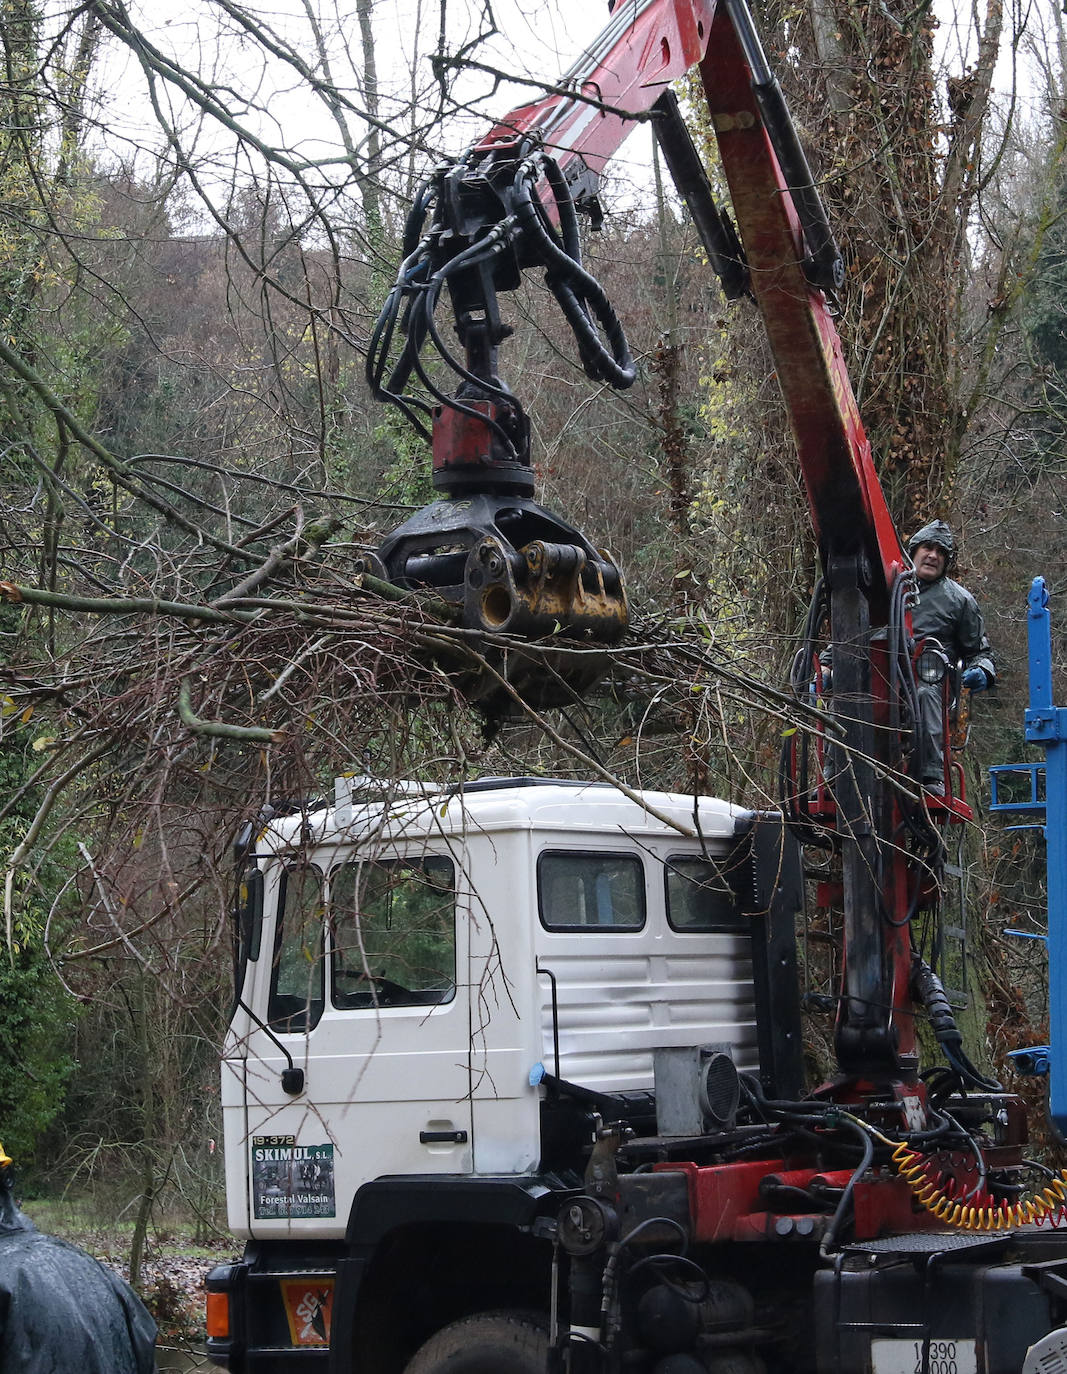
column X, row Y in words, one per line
column 1034, row 772
column 1046, row 724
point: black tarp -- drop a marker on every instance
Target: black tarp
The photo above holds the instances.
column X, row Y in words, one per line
column 61, row 1311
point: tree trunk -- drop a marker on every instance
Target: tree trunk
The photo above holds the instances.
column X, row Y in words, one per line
column 901, row 208
column 145, row 1150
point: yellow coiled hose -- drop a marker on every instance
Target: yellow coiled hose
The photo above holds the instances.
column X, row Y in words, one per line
column 965, row 1215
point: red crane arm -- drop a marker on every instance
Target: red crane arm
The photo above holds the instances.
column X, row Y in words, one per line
column 621, row 77
column 597, row 102
column 846, row 499
column 647, row 45
column 517, row 568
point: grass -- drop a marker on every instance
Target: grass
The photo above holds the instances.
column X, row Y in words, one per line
column 83, row 1221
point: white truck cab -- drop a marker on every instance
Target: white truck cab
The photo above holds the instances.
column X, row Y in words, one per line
column 419, row 968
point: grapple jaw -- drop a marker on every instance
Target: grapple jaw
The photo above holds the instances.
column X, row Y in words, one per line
column 516, row 570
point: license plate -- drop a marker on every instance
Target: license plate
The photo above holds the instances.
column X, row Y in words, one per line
column 906, row 1357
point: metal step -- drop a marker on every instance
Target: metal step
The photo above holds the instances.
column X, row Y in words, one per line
column 923, row 1244
column 283, row 1359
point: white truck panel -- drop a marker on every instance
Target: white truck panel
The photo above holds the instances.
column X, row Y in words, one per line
column 378, row 1079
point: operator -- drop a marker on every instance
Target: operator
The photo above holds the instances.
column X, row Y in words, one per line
column 61, row 1311
column 948, row 613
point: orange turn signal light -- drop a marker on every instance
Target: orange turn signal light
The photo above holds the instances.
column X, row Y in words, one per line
column 218, row 1316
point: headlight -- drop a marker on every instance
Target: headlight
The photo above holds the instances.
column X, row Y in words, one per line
column 931, row 666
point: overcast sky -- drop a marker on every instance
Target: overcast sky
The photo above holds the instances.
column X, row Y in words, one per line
column 537, row 39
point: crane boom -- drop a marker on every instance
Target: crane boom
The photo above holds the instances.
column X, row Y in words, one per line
column 620, row 79
column 511, row 203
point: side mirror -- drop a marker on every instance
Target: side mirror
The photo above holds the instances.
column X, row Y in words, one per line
column 292, row 1081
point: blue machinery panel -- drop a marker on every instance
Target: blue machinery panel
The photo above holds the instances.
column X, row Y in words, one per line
column 1045, row 724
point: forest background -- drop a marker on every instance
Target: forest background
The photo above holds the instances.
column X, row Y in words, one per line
column 199, row 219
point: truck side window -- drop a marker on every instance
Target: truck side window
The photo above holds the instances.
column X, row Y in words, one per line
column 393, row 933
column 296, row 983
column 591, row 891
column 699, row 897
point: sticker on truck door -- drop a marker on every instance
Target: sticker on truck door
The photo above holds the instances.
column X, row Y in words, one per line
column 291, row 1180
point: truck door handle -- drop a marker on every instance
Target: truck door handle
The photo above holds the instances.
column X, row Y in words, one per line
column 442, row 1137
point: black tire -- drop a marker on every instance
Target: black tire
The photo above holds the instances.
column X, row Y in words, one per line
column 490, row 1343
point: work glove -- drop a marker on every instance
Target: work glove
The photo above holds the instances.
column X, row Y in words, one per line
column 975, row 679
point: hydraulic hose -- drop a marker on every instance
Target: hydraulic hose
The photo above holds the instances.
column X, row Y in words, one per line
column 981, row 1213
column 524, row 235
column 977, row 1211
column 829, row 1240
column 927, row 989
column 582, row 299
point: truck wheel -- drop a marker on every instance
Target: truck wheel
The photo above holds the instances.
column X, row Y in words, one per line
column 491, row 1343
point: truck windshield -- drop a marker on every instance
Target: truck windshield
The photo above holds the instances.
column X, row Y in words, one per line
column 393, row 933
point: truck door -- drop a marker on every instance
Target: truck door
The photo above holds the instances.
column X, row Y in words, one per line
column 369, row 994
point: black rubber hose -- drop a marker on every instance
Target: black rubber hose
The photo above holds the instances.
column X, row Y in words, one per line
column 810, row 1110
column 416, row 218
column 582, row 299
column 928, row 989
column 571, row 242
column 612, row 364
column 840, row 1212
